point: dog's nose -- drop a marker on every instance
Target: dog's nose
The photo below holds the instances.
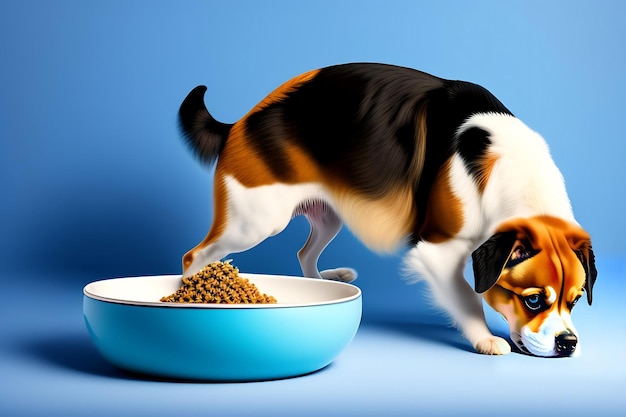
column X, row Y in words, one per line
column 566, row 343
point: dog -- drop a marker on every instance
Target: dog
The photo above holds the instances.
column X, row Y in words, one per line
column 404, row 158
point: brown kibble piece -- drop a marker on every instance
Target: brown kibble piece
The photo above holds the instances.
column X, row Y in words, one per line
column 218, row 282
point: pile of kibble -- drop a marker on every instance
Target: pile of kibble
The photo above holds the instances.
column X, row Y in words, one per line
column 218, row 283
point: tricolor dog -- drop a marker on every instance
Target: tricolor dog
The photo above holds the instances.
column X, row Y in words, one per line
column 405, row 158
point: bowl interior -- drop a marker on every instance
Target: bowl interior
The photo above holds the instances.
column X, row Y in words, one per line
column 288, row 291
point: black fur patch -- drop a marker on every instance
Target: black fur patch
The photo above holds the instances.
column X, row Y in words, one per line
column 448, row 108
column 490, row 258
column 359, row 122
column 204, row 135
column 472, row 146
column 266, row 131
column 469, row 99
column 473, row 143
column 588, row 259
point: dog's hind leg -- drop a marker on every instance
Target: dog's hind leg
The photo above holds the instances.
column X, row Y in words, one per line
column 216, row 245
column 243, row 218
column 325, row 224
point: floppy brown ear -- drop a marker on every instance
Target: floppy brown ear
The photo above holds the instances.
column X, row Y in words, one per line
column 588, row 259
column 489, row 259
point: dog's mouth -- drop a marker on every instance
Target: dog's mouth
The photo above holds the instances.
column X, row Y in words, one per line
column 516, row 337
column 534, row 347
column 530, row 345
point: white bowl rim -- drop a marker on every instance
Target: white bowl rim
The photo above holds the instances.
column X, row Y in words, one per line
column 87, row 292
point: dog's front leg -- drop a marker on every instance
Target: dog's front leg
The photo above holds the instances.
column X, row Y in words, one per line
column 442, row 265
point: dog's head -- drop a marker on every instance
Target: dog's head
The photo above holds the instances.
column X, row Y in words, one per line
column 533, row 271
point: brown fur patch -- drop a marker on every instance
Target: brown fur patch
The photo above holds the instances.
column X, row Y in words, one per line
column 487, row 164
column 381, row 224
column 549, row 227
column 240, row 160
column 444, row 213
column 304, row 169
column 220, row 219
column 284, row 89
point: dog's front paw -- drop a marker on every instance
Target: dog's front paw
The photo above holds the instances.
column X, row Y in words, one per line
column 493, row 345
column 339, row 274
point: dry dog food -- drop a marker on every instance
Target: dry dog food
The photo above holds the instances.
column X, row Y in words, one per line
column 218, row 283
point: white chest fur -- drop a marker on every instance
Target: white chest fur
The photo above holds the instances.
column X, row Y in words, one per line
column 523, row 182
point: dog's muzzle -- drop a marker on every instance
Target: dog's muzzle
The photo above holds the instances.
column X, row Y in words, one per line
column 562, row 345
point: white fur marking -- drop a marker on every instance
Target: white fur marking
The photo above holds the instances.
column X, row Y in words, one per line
column 543, row 342
column 524, row 181
column 257, row 213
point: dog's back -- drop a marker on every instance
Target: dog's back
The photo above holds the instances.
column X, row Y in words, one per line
column 375, row 136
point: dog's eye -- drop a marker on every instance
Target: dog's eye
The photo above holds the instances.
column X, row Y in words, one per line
column 573, row 303
column 535, row 302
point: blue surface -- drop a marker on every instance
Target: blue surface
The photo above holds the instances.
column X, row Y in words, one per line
column 95, row 183
column 397, row 365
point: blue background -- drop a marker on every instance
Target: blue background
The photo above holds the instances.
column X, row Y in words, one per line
column 97, row 183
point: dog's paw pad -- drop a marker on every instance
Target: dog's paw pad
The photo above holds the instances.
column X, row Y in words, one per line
column 493, row 346
column 339, row 274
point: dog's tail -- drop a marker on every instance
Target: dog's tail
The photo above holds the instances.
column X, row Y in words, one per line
column 202, row 133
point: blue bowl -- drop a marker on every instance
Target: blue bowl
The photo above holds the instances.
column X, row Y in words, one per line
column 313, row 321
